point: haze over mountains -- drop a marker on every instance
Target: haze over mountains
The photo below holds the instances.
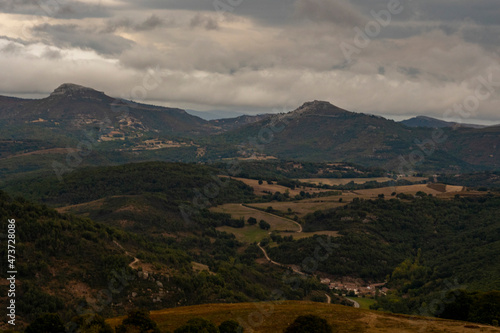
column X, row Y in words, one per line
column 71, row 112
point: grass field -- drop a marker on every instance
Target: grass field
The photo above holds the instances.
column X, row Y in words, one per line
column 274, row 317
column 303, row 207
column 250, row 234
column 364, row 302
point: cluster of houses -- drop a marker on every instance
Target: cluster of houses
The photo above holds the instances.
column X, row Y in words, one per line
column 356, row 288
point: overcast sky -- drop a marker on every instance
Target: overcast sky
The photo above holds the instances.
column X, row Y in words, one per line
column 378, row 56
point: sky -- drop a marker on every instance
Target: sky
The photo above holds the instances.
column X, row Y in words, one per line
column 396, row 58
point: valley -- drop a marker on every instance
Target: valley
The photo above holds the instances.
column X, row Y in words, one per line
column 187, row 212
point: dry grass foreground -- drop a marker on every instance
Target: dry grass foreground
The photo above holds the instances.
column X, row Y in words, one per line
column 274, row 317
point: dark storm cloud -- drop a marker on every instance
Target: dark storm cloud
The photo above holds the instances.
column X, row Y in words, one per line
column 71, row 35
column 62, row 9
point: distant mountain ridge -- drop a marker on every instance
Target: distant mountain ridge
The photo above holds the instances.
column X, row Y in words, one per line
column 424, row 121
column 73, row 107
column 317, row 131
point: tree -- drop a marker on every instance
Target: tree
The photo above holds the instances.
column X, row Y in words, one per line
column 309, row 324
column 47, row 323
column 197, row 325
column 230, row 326
column 138, row 319
column 260, row 182
column 264, row 225
column 91, row 323
column 252, row 221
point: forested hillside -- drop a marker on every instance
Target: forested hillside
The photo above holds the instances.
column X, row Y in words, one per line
column 64, row 261
column 454, row 240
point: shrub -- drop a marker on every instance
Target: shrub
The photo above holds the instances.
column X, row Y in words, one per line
column 309, row 324
column 138, row 319
column 264, row 225
column 230, row 326
column 47, row 323
column 198, row 325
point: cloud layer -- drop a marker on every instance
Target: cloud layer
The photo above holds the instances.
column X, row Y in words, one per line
column 384, row 57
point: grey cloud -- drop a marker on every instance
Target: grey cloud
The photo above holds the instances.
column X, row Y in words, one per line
column 62, row 9
column 205, row 21
column 71, row 35
column 273, row 12
column 486, row 12
column 151, row 23
column 12, row 48
column 338, row 12
column 52, row 54
column 411, row 72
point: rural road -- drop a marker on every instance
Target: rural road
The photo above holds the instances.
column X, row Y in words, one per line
column 356, row 304
column 284, row 218
column 328, row 299
column 295, row 270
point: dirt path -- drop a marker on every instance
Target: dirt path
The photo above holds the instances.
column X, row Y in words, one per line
column 134, row 263
column 328, row 299
column 281, row 217
column 295, row 270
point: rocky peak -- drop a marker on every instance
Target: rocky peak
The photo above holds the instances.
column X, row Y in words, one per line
column 319, row 108
column 77, row 91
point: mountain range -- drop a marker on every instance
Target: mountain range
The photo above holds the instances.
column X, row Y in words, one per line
column 126, row 131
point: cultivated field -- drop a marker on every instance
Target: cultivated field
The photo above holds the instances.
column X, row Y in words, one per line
column 273, row 317
column 254, row 233
column 343, row 181
column 238, row 210
column 303, row 207
column 265, row 187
